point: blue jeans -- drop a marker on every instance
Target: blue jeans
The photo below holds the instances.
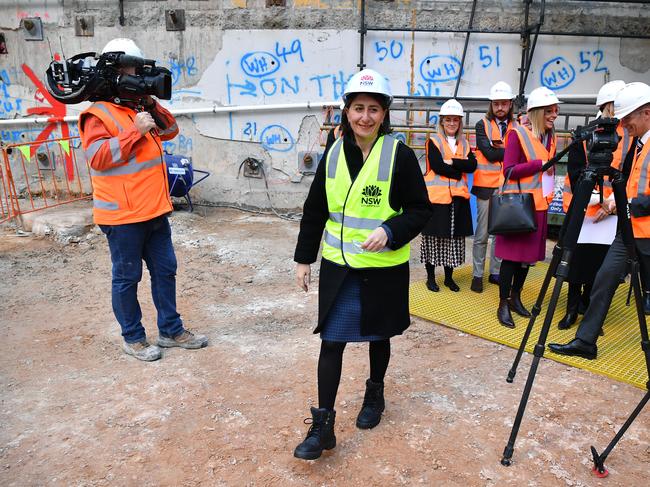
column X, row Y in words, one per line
column 130, row 244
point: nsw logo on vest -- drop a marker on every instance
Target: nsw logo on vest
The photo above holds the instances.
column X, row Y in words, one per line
column 371, row 196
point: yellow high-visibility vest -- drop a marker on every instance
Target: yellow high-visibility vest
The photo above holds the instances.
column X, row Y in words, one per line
column 357, row 208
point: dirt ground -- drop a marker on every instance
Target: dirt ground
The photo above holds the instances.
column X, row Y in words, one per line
column 78, row 412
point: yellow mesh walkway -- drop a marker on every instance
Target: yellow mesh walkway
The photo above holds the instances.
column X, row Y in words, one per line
column 619, row 351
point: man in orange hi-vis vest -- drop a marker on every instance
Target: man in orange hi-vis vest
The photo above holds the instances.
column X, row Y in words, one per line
column 490, row 149
column 130, row 204
column 632, row 108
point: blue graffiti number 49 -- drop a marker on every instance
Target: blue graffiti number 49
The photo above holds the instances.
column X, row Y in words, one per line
column 294, row 49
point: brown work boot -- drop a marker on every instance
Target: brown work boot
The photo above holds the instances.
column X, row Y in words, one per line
column 142, row 350
column 186, row 339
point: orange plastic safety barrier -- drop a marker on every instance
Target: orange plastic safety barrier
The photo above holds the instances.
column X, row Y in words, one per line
column 38, row 175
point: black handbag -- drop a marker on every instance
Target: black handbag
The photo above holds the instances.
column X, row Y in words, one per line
column 511, row 212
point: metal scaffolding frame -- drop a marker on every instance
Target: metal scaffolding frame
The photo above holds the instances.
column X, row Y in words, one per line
column 528, row 30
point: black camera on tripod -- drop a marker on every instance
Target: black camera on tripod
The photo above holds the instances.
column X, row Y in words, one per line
column 88, row 77
column 601, row 140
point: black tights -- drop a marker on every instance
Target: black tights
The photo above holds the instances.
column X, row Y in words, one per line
column 330, row 363
column 512, row 275
column 431, row 272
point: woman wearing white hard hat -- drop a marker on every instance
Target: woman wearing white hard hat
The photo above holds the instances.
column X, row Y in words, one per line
column 369, row 200
column 590, row 251
column 449, row 160
column 527, row 150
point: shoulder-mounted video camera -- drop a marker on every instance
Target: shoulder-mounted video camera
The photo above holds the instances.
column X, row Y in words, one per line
column 601, row 140
column 88, row 77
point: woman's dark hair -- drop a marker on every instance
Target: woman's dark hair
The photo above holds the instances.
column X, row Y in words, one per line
column 383, row 101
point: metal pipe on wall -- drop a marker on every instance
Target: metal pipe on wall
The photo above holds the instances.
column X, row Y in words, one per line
column 517, row 32
column 362, row 34
column 462, row 60
column 191, row 111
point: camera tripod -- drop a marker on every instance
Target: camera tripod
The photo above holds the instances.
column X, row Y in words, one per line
column 559, row 268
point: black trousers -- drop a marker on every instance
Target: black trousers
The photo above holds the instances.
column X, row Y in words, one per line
column 607, row 280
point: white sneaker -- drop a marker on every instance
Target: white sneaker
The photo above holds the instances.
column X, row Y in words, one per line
column 142, row 350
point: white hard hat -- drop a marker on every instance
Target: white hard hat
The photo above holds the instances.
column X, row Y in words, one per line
column 452, row 107
column 541, row 97
column 121, row 44
column 368, row 81
column 501, row 91
column 631, row 97
column 608, row 92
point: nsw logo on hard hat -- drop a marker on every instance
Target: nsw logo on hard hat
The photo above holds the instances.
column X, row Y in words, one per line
column 366, row 80
column 371, row 196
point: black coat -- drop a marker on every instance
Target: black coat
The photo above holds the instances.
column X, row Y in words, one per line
column 589, row 257
column 384, row 291
column 439, row 225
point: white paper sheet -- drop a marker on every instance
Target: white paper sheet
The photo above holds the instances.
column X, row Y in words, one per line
column 548, row 183
column 602, row 232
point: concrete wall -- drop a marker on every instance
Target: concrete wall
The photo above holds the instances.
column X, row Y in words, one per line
column 239, row 52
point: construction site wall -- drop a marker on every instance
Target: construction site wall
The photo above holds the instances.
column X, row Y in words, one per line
column 243, row 52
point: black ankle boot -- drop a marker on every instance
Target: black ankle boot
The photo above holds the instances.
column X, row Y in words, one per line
column 516, row 305
column 569, row 319
column 503, row 314
column 320, row 435
column 373, row 405
column 571, row 316
column 449, row 280
column 431, row 278
column 432, row 285
column 451, row 284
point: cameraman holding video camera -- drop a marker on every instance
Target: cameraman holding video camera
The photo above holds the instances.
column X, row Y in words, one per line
column 121, row 136
column 632, row 107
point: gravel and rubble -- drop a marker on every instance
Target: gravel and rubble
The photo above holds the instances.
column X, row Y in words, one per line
column 76, row 411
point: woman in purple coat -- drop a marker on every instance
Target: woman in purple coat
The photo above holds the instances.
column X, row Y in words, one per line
column 528, row 148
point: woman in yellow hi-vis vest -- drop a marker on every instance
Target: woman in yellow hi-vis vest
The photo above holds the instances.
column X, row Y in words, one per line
column 527, row 150
column 449, row 160
column 368, row 201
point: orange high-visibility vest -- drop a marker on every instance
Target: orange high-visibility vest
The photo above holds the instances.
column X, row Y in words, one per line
column 442, row 189
column 533, row 149
column 639, row 184
column 136, row 189
column 618, row 159
column 567, row 196
column 490, row 174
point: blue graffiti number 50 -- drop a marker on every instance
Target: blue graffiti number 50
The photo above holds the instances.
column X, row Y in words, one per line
column 395, row 49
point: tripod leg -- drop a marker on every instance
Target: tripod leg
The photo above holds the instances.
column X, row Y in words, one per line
column 599, row 460
column 538, row 353
column 628, row 238
column 537, row 308
column 569, row 241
